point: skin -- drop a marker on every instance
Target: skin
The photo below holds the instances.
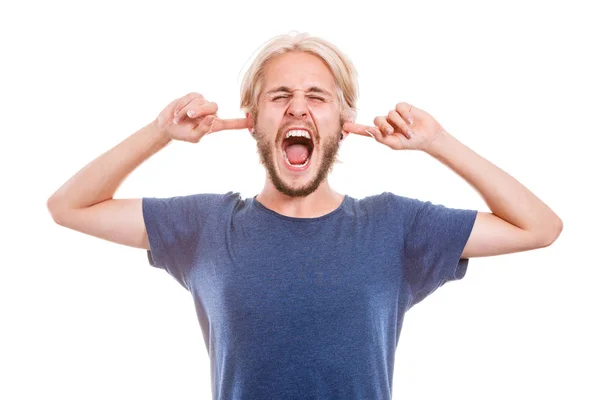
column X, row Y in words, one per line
column 307, row 193
column 518, row 220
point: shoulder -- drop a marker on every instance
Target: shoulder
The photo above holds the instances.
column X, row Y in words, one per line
column 396, row 205
column 194, row 200
column 413, row 213
column 191, row 207
column 388, row 208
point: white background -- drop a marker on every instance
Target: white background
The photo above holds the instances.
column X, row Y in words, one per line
column 516, row 81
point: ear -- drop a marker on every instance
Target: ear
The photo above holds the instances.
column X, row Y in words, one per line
column 251, row 124
column 345, row 120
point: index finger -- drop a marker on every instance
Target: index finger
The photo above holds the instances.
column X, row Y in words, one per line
column 358, row 129
column 227, row 124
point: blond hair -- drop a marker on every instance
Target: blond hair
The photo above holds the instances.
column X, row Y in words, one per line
column 341, row 67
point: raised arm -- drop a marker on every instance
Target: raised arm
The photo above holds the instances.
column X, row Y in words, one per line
column 85, row 202
column 518, row 220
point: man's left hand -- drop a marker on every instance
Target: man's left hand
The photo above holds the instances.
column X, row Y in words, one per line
column 404, row 128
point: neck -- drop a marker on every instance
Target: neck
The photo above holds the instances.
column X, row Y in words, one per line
column 320, row 202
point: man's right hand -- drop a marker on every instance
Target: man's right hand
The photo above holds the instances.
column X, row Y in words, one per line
column 191, row 117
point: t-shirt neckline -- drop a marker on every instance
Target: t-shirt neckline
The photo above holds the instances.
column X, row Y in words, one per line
column 261, row 207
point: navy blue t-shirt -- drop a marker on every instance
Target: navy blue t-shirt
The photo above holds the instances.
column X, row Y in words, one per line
column 305, row 308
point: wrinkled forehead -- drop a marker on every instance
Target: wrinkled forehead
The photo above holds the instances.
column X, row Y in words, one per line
column 298, row 72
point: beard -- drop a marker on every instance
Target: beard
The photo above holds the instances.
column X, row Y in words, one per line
column 328, row 152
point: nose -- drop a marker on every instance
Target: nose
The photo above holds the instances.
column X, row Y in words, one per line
column 298, row 107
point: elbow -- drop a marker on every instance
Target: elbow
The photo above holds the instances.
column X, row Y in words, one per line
column 53, row 209
column 552, row 234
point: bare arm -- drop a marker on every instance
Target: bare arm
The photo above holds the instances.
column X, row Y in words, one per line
column 519, row 220
column 85, row 202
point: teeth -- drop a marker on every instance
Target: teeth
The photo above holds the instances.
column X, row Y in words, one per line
column 298, row 132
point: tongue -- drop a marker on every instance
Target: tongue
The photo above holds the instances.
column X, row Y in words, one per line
column 296, row 153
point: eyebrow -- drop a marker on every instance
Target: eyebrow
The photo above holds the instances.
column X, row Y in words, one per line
column 314, row 89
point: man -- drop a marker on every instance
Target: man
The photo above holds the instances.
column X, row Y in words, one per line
column 300, row 291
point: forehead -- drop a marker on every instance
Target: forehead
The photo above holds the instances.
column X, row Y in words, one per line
column 298, row 70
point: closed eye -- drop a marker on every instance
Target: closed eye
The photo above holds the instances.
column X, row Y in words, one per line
column 312, row 97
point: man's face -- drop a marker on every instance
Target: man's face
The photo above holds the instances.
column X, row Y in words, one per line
column 298, row 92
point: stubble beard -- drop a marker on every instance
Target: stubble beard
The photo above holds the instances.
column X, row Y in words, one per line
column 328, row 157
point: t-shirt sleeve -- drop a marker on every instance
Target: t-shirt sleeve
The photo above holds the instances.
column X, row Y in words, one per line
column 434, row 239
column 176, row 228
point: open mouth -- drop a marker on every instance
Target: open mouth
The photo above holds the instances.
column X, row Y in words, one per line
column 297, row 149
